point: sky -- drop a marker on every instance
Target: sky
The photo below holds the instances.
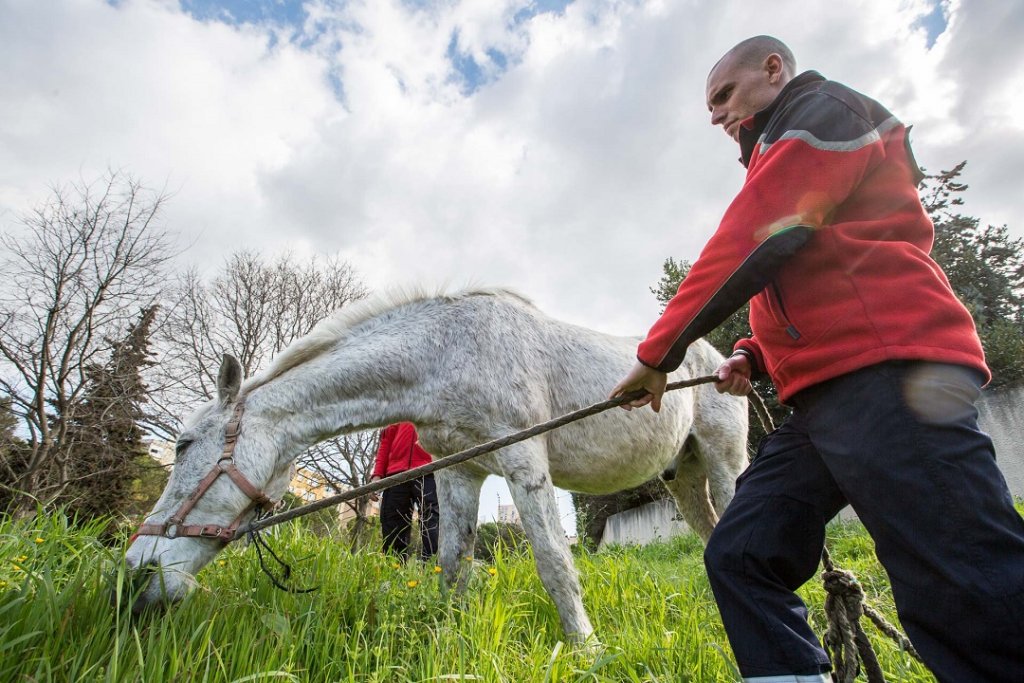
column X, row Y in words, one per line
column 561, row 148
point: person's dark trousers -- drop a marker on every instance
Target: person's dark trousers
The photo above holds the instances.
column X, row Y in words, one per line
column 396, row 510
column 899, row 441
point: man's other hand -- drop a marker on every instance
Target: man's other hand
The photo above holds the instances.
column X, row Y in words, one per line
column 734, row 376
column 642, row 377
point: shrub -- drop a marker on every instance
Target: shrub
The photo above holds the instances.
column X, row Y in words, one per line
column 510, row 537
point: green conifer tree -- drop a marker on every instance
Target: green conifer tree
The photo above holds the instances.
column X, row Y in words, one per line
column 106, row 454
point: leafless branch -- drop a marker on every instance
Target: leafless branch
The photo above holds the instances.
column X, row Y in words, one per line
column 76, row 273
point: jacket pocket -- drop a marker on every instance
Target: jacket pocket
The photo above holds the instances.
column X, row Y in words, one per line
column 778, row 308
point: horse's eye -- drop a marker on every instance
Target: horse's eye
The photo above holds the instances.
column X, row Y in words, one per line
column 180, row 447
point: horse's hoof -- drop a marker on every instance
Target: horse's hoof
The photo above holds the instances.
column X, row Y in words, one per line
column 589, row 644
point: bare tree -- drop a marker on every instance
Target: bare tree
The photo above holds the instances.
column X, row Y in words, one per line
column 346, row 462
column 253, row 308
column 78, row 272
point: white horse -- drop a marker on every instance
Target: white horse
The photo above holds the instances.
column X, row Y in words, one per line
column 464, row 368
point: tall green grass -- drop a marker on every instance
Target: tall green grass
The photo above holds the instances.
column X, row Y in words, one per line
column 374, row 620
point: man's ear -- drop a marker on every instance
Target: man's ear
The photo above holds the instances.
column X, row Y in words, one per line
column 229, row 379
column 773, row 66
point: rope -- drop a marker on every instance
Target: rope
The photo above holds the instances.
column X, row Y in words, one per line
column 845, row 640
column 260, row 543
column 763, row 416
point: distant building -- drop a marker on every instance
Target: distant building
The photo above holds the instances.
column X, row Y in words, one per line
column 508, row 514
column 162, row 451
column 310, row 485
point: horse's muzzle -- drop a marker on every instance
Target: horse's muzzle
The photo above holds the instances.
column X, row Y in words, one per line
column 142, row 588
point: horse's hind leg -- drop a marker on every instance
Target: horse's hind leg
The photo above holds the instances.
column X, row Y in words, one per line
column 689, row 487
column 719, row 442
column 458, row 495
column 525, row 468
column 718, row 439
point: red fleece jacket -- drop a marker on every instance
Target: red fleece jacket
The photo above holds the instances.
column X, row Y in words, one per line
column 399, row 450
column 829, row 241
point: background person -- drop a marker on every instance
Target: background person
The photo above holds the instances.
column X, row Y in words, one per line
column 400, row 451
column 863, row 337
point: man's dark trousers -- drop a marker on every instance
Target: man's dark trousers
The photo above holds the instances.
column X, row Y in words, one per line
column 899, row 442
column 396, row 509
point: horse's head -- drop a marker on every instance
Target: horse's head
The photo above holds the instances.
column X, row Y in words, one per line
column 227, row 467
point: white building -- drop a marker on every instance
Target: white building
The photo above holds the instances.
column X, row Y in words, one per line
column 508, row 514
column 162, row 451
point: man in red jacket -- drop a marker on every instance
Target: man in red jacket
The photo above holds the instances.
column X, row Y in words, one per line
column 864, row 338
column 400, row 451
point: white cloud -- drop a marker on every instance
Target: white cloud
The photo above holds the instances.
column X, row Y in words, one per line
column 571, row 175
column 204, row 108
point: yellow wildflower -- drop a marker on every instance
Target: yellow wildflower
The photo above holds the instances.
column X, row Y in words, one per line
column 40, row 540
column 221, row 563
column 412, row 584
column 22, row 558
column 437, row 570
column 396, row 565
column 492, row 571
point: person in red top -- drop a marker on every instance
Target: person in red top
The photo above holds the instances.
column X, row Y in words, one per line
column 400, row 451
column 863, row 337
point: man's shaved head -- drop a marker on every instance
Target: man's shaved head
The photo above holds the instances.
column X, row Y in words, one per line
column 746, row 80
column 752, row 52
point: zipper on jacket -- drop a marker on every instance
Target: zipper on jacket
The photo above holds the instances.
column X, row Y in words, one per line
column 790, row 327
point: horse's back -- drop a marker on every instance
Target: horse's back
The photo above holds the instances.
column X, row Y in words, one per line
column 563, row 367
column 512, row 366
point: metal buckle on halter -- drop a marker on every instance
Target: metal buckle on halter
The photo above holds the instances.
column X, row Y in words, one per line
column 171, row 526
column 234, row 426
column 211, row 531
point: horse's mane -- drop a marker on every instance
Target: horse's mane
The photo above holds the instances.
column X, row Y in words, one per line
column 326, row 333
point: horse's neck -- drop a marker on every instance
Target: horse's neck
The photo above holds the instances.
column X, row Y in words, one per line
column 345, row 390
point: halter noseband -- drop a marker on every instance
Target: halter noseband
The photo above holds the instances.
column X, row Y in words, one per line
column 175, row 526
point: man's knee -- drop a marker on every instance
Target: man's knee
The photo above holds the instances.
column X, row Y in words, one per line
column 724, row 552
column 779, row 539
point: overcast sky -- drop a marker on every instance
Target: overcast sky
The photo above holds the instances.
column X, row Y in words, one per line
column 560, row 148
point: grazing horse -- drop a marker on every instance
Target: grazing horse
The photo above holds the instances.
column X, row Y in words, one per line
column 465, row 368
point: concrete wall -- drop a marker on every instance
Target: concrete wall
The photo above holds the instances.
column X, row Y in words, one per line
column 655, row 521
column 1000, row 414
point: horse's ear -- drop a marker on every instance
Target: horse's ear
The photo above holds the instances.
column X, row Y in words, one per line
column 229, row 379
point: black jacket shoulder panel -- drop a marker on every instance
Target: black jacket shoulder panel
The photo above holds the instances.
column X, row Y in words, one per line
column 823, row 116
column 826, row 114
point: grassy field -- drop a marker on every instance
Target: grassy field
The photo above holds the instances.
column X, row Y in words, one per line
column 374, row 620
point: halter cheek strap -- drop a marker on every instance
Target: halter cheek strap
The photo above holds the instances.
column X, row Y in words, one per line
column 175, row 526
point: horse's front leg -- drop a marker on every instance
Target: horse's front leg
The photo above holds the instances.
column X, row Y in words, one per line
column 525, row 469
column 458, row 496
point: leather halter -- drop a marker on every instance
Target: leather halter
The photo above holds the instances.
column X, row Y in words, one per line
column 175, row 526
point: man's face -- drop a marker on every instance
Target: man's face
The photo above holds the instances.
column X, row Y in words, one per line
column 736, row 92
